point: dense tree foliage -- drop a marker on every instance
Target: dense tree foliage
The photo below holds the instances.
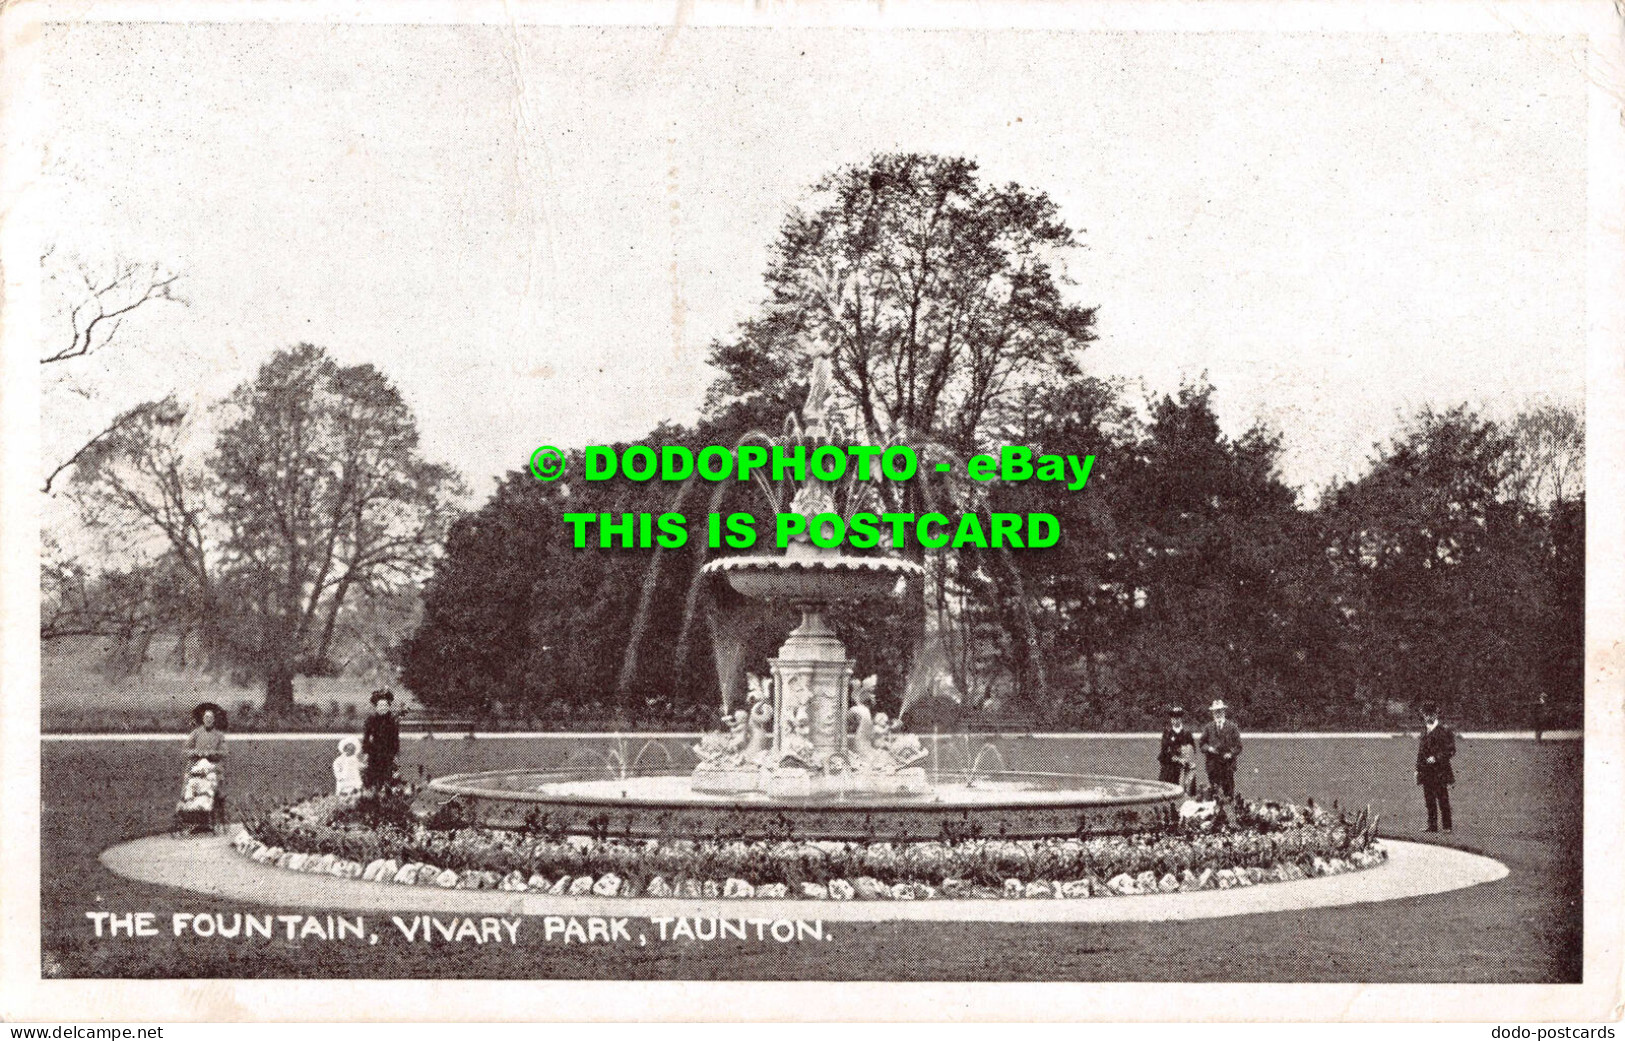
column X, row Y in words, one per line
column 1452, row 568
column 1187, row 569
column 940, row 299
column 1457, row 583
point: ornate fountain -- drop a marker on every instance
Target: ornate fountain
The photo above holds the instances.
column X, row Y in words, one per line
column 810, row 757
column 792, row 742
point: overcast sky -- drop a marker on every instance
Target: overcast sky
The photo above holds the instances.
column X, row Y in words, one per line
column 538, row 233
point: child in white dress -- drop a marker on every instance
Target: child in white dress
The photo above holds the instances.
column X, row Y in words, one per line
column 347, row 768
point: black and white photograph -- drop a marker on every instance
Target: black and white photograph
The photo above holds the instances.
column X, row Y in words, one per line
column 889, row 497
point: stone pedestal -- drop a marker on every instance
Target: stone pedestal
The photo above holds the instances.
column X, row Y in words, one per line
column 813, row 672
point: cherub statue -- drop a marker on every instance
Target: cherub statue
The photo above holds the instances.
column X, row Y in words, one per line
column 738, row 730
column 795, row 742
column 759, row 736
column 717, row 746
column 904, row 748
column 864, row 748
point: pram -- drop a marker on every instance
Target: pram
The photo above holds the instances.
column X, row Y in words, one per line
column 195, row 813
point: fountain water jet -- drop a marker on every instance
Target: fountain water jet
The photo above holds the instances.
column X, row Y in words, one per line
column 617, row 763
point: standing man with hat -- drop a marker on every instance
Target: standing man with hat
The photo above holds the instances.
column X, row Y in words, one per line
column 1175, row 757
column 1221, row 742
column 1433, row 770
column 380, row 742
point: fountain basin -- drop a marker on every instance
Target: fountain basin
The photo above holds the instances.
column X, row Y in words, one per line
column 810, row 576
column 794, row 783
column 1005, row 804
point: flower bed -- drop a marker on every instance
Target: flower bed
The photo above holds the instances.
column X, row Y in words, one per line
column 1212, row 846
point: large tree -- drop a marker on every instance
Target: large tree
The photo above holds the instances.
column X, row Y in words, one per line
column 324, row 497
column 143, row 489
column 315, row 499
column 1210, row 582
column 1464, row 589
column 941, row 299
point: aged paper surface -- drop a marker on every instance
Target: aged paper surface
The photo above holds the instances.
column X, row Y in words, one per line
column 569, row 224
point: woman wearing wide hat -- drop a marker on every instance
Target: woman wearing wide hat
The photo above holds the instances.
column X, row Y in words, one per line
column 208, row 741
column 380, row 742
column 1176, row 756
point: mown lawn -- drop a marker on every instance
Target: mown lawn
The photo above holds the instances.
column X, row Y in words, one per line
column 1517, row 801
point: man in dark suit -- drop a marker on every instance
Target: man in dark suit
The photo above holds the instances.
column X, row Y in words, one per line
column 1221, row 743
column 1433, row 771
column 380, row 742
column 1176, row 758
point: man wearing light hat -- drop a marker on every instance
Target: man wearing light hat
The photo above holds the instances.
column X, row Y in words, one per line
column 1221, row 743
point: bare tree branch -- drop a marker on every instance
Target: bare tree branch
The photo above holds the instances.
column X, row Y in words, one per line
column 125, row 420
column 96, row 320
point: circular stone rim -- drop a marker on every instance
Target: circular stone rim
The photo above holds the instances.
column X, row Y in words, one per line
column 892, row 818
column 1158, row 792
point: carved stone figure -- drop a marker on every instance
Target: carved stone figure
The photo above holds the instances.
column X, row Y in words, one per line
column 866, row 754
column 903, row 748
column 810, row 500
column 720, row 749
column 712, row 747
column 759, row 739
column 795, row 743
